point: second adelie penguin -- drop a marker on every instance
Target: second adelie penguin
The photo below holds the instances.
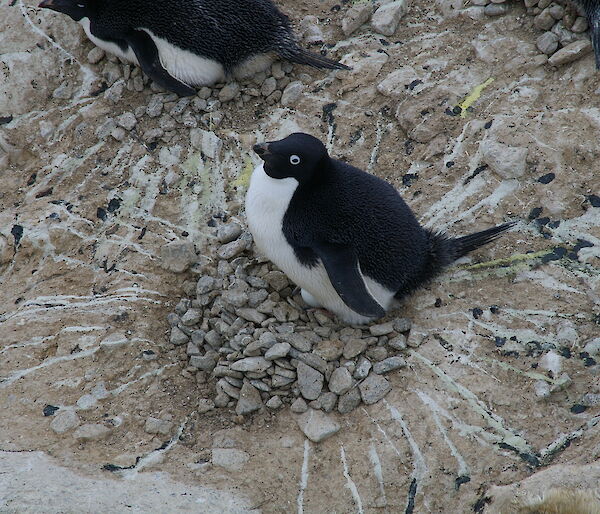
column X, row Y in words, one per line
column 184, row 43
column 344, row 236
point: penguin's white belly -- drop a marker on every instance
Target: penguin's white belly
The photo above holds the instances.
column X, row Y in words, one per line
column 266, row 203
column 186, row 66
column 112, row 48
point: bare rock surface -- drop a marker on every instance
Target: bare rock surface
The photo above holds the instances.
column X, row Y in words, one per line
column 104, row 175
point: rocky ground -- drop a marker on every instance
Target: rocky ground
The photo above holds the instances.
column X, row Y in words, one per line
column 137, row 319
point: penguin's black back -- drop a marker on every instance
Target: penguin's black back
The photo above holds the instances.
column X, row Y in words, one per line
column 344, row 205
column 228, row 31
column 348, row 206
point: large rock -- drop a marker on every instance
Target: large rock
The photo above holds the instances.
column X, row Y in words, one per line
column 249, row 400
column 385, row 19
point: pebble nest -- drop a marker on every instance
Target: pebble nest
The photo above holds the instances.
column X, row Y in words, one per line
column 248, row 331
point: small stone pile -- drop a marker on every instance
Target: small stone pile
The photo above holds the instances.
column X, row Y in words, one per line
column 564, row 39
column 247, row 329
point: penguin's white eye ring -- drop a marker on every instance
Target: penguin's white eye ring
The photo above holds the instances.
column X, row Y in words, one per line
column 294, row 159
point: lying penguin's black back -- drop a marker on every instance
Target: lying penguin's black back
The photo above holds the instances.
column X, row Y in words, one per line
column 348, row 206
column 228, row 31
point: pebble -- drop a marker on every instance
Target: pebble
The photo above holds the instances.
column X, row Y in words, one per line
column 495, row 9
column 356, row 16
column 157, row 426
column 233, row 249
column 317, row 426
column 349, row 401
column 340, row 381
column 385, row 19
column 551, row 361
column 95, row 55
column 354, row 347
column 541, row 388
column 64, row 421
column 374, row 388
column 382, row 329
column 398, row 343
column 178, row 337
column 249, row 401
column 571, row 52
column 87, row 401
column 155, row 106
column 205, row 405
column 274, row 403
column 389, row 364
column 91, row 432
column 329, row 350
column 230, row 459
column 127, row 120
column 277, row 351
column 205, row 363
column 362, row 368
column 376, row 353
column 299, row 406
column 177, row 256
column 251, row 315
column 256, row 364
column 310, row 381
column 292, row 93
column 229, row 92
column 547, row 43
column 402, row 324
column 229, row 232
column 507, row 161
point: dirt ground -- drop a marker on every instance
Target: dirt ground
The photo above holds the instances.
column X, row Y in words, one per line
column 84, row 296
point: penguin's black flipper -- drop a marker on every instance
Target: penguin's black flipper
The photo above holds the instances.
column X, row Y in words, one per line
column 147, row 55
column 343, row 269
column 302, row 56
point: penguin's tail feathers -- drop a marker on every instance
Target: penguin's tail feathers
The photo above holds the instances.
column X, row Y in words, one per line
column 444, row 250
column 302, row 56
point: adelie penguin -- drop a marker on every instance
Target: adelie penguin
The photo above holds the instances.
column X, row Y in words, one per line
column 344, row 236
column 185, row 43
column 592, row 11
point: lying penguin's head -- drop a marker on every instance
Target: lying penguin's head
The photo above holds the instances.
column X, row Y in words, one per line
column 76, row 9
column 298, row 156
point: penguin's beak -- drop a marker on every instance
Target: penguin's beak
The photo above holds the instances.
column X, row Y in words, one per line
column 262, row 150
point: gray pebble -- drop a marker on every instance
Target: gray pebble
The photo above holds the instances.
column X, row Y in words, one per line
column 398, row 343
column 376, row 353
column 310, row 381
column 256, row 364
column 178, row 337
column 362, row 368
column 389, row 364
column 340, row 381
column 374, row 388
column 274, row 403
column 354, row 347
column 329, row 350
column 402, row 324
column 349, row 401
column 229, row 92
column 317, row 425
column 205, row 363
column 95, row 55
column 205, row 405
column 381, row 329
column 251, row 315
column 233, row 249
column 299, row 406
column 64, row 420
column 277, row 351
column 228, row 233
column 249, row 401
column 91, row 432
column 355, row 16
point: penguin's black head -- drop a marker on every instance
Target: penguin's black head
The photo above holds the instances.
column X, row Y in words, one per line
column 298, row 156
column 76, row 9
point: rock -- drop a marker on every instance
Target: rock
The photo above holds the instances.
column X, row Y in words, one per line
column 178, row 337
column 274, row 402
column 398, row 343
column 541, row 388
column 508, row 162
column 590, row 399
column 191, row 317
column 544, row 20
column 495, row 9
column 389, row 364
column 349, row 401
column 376, row 353
column 229, row 92
column 385, row 19
column 205, row 285
column 340, row 381
column 397, row 82
column 292, row 93
column 64, row 421
column 329, row 350
column 206, row 141
column 87, row 401
column 310, row 381
column 327, row 401
column 355, row 16
column 229, row 232
column 155, row 106
column 205, row 363
column 317, row 425
column 268, row 86
column 91, row 432
column 277, row 280
column 229, row 458
column 299, row 342
column 157, row 426
column 381, row 329
column 362, row 368
column 249, row 401
column 127, row 120
column 233, row 249
column 235, row 297
column 299, row 406
column 177, row 256
column 571, row 52
column 551, row 361
column 95, row 55
column 402, row 324
column 374, row 388
column 416, row 338
column 354, row 347
column 251, row 315
column 256, row 364
column 547, row 43
column 205, row 405
column 277, row 351
column 593, row 347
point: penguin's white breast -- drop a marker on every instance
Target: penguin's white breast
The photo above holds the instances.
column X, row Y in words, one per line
column 186, row 66
column 108, row 46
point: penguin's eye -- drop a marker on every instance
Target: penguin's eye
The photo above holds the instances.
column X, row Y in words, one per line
column 294, row 159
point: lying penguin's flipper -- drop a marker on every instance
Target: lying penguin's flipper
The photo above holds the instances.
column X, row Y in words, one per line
column 343, row 269
column 147, row 55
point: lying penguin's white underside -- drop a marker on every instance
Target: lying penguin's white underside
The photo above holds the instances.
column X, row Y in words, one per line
column 184, row 65
column 266, row 203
